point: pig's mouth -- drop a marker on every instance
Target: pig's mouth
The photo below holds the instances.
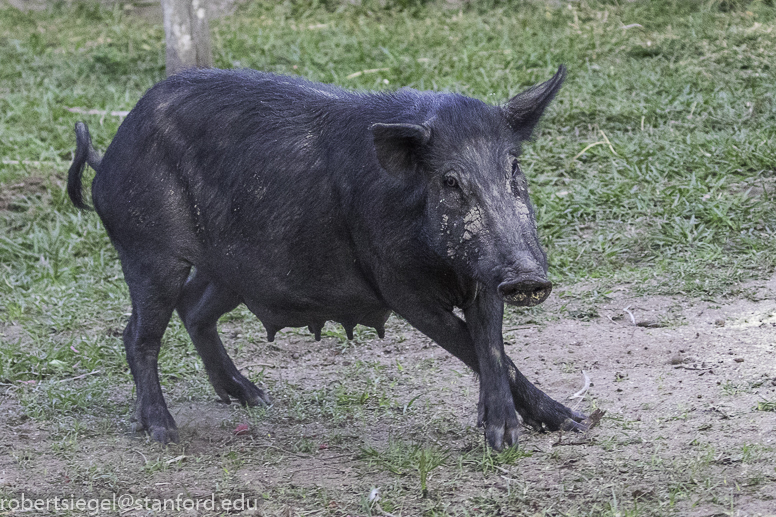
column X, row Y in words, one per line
column 525, row 292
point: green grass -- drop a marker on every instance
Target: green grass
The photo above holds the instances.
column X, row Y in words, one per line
column 403, row 459
column 681, row 109
column 654, row 167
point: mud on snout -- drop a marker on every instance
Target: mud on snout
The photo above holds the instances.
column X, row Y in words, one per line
column 525, row 291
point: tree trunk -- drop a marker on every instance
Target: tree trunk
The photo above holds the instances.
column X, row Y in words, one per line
column 187, row 35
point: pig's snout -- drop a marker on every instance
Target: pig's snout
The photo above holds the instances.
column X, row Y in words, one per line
column 525, row 291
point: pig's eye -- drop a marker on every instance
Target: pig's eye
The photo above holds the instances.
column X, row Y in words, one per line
column 451, row 182
column 515, row 167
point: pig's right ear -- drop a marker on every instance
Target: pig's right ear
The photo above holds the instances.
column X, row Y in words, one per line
column 525, row 109
column 398, row 146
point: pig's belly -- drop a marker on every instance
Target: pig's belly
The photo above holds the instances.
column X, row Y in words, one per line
column 307, row 298
column 277, row 316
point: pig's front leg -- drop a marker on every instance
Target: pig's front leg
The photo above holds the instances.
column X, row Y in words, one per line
column 536, row 408
column 479, row 346
column 496, row 407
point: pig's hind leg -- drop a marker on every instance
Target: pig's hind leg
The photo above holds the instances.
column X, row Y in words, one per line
column 154, row 292
column 202, row 302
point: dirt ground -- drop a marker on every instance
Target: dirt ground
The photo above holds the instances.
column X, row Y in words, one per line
column 688, row 386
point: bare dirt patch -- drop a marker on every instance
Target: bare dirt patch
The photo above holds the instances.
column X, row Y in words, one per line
column 689, row 389
column 16, row 195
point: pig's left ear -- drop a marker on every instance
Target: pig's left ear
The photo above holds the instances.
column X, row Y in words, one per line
column 525, row 109
column 398, row 146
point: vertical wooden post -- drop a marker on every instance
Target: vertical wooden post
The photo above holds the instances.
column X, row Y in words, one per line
column 187, row 35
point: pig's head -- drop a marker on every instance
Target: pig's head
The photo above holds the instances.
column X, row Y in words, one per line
column 477, row 215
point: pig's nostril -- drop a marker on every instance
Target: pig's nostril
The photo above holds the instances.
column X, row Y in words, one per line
column 525, row 292
column 509, row 290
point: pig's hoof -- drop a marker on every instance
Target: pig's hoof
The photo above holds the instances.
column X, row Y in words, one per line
column 163, row 435
column 243, row 390
column 501, row 436
column 256, row 397
column 575, row 424
column 553, row 417
column 158, row 422
column 499, row 431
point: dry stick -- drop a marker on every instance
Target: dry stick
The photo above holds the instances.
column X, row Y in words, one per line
column 34, row 163
column 570, row 443
column 370, row 71
column 177, row 459
column 600, row 142
column 95, row 372
column 591, row 421
column 84, row 111
column 257, row 364
column 143, row 455
column 633, row 320
column 692, row 368
column 594, row 418
column 581, row 393
column 608, row 142
column 315, row 467
column 102, row 113
column 580, row 153
column 519, row 327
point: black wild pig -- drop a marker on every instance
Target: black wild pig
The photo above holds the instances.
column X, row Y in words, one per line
column 309, row 203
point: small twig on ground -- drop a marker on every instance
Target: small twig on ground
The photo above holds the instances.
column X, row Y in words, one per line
column 583, row 442
column 718, row 410
column 590, row 422
column 594, row 419
column 143, row 455
column 177, row 459
column 608, row 142
column 633, row 320
column 519, row 327
column 34, row 163
column 605, row 141
column 692, row 368
column 84, row 111
column 583, row 151
column 581, row 393
column 257, row 364
column 370, row 71
column 315, row 467
column 95, row 372
column 632, row 26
